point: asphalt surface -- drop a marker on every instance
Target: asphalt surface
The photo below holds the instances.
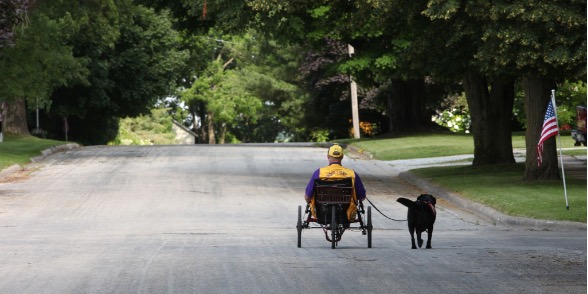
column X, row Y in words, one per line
column 575, row 166
column 220, row 219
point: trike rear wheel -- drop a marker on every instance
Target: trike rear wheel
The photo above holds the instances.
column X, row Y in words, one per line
column 299, row 226
column 333, row 226
column 369, row 226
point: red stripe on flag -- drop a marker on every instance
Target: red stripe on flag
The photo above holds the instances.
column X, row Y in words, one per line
column 549, row 130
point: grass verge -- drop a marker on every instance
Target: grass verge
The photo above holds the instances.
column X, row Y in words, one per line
column 502, row 188
column 435, row 145
column 19, row 149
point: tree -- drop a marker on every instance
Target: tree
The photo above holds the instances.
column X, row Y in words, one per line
column 225, row 98
column 490, row 104
column 129, row 71
column 12, row 14
column 255, row 88
column 450, row 39
column 400, row 44
column 36, row 63
column 198, row 17
column 539, row 42
column 90, row 62
column 271, row 64
column 543, row 42
column 384, row 34
column 329, row 104
column 271, row 73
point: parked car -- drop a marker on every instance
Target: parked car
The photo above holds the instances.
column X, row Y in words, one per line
column 579, row 134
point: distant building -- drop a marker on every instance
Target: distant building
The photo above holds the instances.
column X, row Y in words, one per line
column 184, row 135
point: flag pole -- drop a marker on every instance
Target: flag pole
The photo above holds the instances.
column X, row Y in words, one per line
column 563, row 174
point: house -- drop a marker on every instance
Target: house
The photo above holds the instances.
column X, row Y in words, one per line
column 183, row 135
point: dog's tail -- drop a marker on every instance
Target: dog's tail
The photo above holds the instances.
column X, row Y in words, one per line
column 406, row 202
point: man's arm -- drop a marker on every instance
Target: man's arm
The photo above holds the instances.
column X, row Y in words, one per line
column 359, row 188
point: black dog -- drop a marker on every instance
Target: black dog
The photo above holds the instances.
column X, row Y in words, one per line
column 421, row 217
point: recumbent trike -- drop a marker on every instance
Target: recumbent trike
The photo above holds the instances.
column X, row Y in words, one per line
column 332, row 200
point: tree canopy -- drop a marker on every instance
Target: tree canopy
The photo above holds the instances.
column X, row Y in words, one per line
column 266, row 70
column 92, row 63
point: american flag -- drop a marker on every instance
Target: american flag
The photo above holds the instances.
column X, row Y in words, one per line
column 549, row 130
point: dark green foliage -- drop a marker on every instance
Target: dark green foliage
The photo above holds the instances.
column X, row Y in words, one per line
column 41, row 60
column 126, row 77
column 329, row 105
column 115, row 58
column 12, row 13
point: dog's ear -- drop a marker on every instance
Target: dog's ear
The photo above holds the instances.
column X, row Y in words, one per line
column 433, row 199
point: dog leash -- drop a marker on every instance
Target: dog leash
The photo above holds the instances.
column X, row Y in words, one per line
column 396, row 220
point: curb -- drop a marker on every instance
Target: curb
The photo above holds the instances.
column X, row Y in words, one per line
column 9, row 170
column 358, row 153
column 487, row 213
column 53, row 150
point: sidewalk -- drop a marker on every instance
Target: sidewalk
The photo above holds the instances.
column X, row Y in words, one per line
column 575, row 166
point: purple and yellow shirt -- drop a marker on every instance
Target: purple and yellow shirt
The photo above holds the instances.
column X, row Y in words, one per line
column 336, row 171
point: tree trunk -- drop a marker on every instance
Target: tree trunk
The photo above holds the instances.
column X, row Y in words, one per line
column 491, row 114
column 222, row 133
column 198, row 110
column 15, row 118
column 537, row 95
column 194, row 127
column 202, row 115
column 406, row 106
column 210, row 124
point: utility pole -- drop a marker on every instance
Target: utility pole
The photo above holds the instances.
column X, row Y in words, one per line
column 1, row 120
column 354, row 106
column 37, row 129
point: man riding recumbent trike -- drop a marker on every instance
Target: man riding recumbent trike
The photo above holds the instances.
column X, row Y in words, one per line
column 335, row 210
column 333, row 197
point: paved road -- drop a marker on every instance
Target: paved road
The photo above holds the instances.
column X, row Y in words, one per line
column 221, row 219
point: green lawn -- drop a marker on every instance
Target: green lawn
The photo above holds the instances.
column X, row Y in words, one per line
column 434, row 145
column 500, row 187
column 19, row 149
